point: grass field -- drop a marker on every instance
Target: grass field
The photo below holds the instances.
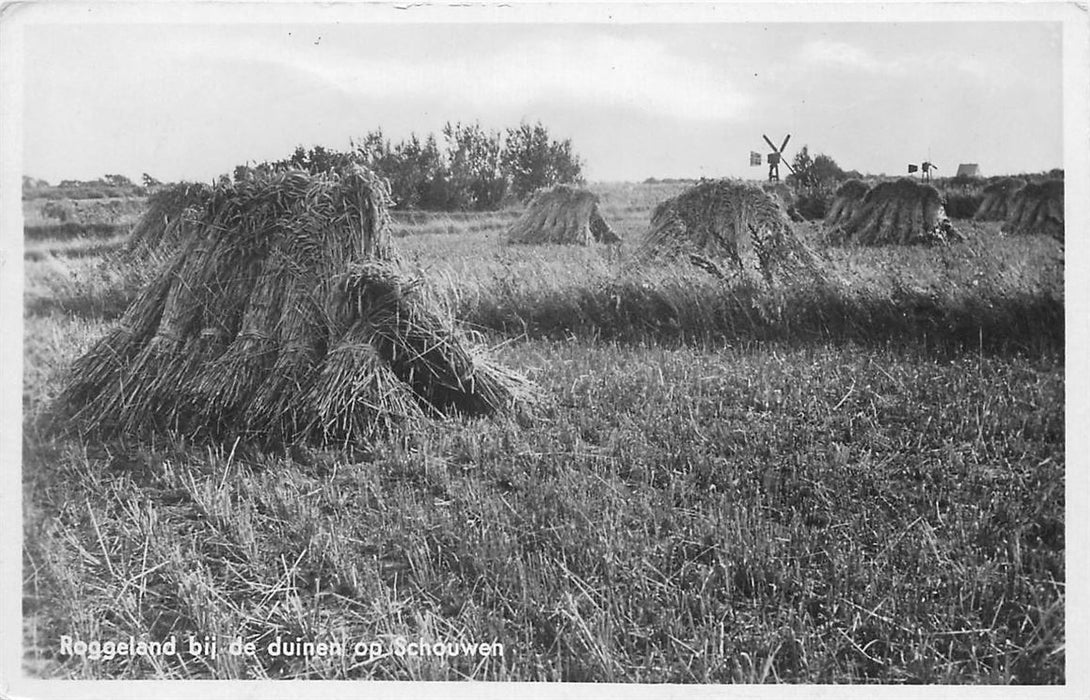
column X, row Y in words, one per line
column 854, row 480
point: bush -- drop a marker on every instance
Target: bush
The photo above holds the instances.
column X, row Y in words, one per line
column 59, row 210
column 812, row 205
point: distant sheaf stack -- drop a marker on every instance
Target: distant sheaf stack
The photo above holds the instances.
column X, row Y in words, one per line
column 281, row 318
column 729, row 220
column 996, row 199
column 846, row 202
column 562, row 214
column 1037, row 208
column 902, row 212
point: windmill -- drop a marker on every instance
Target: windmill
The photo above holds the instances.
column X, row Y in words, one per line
column 775, row 157
column 925, row 169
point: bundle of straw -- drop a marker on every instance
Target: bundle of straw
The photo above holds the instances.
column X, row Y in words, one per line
column 783, row 196
column 727, row 219
column 170, row 215
column 420, row 348
column 562, row 214
column 280, row 318
column 1037, row 208
column 846, row 202
column 997, row 198
column 900, row 212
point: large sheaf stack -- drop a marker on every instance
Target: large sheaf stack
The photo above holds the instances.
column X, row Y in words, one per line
column 847, row 200
column 562, row 214
column 1037, row 208
column 996, row 198
column 280, row 318
column 783, row 196
column 729, row 220
column 901, row 212
column 170, row 215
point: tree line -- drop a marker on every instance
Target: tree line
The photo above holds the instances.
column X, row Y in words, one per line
column 466, row 168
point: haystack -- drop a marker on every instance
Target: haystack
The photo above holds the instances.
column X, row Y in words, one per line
column 562, row 214
column 282, row 319
column 729, row 220
column 996, row 199
column 846, row 202
column 170, row 214
column 783, row 196
column 901, row 212
column 1037, row 207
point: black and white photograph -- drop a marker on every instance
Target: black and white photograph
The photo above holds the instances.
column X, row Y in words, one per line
column 511, row 348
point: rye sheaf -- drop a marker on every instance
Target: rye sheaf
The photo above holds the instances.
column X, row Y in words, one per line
column 728, row 220
column 562, row 214
column 281, row 315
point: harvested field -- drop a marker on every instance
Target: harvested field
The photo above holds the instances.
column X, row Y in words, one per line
column 115, row 211
column 718, row 469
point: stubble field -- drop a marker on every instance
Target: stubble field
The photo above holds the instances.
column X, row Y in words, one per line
column 859, row 480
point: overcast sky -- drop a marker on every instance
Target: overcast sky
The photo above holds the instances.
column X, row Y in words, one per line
column 683, row 100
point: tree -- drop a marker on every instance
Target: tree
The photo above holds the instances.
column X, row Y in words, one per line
column 475, row 166
column 472, row 169
column 532, row 160
column 819, row 173
column 318, row 159
column 800, row 167
column 825, row 173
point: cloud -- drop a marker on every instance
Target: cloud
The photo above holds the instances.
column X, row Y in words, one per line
column 838, row 53
column 822, row 53
column 638, row 74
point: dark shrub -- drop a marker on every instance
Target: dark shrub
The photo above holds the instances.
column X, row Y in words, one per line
column 812, row 205
column 962, row 205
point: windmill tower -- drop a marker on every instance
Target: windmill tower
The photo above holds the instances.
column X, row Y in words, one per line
column 925, row 167
column 775, row 157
